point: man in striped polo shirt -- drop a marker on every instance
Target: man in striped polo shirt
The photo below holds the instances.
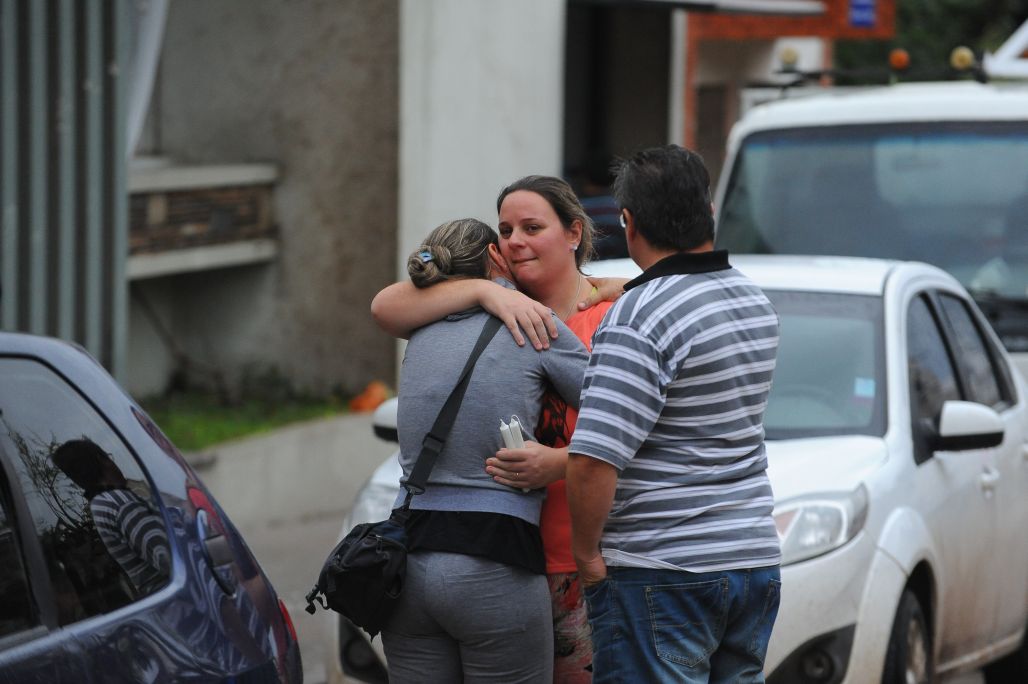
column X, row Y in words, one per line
column 667, row 484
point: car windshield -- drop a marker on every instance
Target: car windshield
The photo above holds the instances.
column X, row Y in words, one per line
column 829, row 379
column 954, row 195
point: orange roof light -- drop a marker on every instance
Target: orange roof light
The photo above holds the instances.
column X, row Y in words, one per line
column 899, row 59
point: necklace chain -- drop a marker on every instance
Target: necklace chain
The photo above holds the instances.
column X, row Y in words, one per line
column 574, row 301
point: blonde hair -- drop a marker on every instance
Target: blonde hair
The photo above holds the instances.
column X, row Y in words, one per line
column 456, row 249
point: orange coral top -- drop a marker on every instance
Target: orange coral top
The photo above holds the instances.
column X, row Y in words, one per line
column 556, row 423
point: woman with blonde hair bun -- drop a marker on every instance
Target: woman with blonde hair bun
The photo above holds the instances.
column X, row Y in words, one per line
column 475, row 606
column 458, row 249
column 545, row 238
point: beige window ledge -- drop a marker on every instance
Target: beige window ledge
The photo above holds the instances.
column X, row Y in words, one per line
column 168, row 178
column 191, row 259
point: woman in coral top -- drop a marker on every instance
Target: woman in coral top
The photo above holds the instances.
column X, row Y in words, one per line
column 545, row 237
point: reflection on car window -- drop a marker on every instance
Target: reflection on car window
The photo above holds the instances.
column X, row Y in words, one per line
column 100, row 529
column 16, row 606
column 932, row 378
column 130, row 527
column 828, row 379
column 982, row 385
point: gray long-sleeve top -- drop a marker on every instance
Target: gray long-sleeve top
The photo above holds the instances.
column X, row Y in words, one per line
column 507, row 380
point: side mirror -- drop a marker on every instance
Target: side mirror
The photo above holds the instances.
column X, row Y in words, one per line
column 384, row 421
column 965, row 425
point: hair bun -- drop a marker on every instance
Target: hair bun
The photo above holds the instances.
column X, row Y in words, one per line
column 422, row 267
column 456, row 249
column 443, row 259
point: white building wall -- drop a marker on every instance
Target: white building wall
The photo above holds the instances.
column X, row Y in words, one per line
column 481, row 100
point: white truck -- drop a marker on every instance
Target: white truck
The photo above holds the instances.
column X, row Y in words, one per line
column 935, row 172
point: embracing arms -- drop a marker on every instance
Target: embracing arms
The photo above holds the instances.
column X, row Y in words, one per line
column 401, row 308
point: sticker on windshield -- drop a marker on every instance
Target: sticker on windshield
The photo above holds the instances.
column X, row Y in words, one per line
column 864, row 388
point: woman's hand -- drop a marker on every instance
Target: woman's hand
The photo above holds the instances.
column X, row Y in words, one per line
column 533, row 467
column 520, row 312
column 604, row 290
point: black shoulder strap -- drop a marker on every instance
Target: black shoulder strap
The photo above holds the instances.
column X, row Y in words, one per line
column 436, row 437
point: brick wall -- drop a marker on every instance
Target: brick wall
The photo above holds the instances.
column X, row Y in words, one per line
column 168, row 220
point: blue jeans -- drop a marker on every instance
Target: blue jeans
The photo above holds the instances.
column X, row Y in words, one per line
column 675, row 626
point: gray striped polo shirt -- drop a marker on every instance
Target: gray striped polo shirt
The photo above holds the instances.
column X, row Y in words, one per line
column 134, row 535
column 674, row 398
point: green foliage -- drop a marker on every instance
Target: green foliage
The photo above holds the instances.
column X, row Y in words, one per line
column 194, row 421
column 929, row 29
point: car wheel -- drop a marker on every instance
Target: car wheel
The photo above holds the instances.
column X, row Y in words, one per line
column 909, row 658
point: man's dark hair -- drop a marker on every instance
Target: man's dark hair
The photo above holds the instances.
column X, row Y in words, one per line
column 667, row 191
column 88, row 466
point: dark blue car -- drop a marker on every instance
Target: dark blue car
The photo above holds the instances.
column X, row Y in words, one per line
column 116, row 564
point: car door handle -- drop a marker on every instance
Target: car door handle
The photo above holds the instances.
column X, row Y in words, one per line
column 1024, row 452
column 989, row 478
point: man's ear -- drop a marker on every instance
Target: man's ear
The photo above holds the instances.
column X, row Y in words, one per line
column 630, row 230
column 499, row 263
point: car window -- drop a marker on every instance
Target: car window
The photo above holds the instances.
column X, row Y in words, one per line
column 101, row 533
column 829, row 374
column 932, row 378
column 17, row 610
column 973, row 356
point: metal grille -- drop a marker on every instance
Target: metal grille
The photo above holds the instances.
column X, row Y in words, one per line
column 63, row 237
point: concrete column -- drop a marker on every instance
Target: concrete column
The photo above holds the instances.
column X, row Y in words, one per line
column 676, row 72
column 481, row 104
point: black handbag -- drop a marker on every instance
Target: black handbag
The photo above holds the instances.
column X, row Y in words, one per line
column 363, row 577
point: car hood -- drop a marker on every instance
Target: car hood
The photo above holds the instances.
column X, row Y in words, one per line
column 800, row 467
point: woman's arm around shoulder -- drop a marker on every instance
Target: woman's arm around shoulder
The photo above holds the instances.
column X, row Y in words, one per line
column 603, row 290
column 401, row 308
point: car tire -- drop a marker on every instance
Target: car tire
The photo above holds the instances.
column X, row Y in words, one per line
column 909, row 657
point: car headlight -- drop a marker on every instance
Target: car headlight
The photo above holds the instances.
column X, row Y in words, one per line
column 813, row 526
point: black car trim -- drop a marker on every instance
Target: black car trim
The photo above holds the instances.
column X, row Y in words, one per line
column 836, row 645
column 37, row 573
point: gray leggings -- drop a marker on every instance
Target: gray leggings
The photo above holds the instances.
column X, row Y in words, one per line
column 468, row 619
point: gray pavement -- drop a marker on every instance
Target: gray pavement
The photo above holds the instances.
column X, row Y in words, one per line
column 287, row 491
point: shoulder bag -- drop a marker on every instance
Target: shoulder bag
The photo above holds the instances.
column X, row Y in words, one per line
column 363, row 577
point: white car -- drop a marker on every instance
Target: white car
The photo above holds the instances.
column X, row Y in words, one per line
column 896, row 437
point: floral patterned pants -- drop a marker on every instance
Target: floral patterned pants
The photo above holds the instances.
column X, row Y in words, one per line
column 572, row 637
